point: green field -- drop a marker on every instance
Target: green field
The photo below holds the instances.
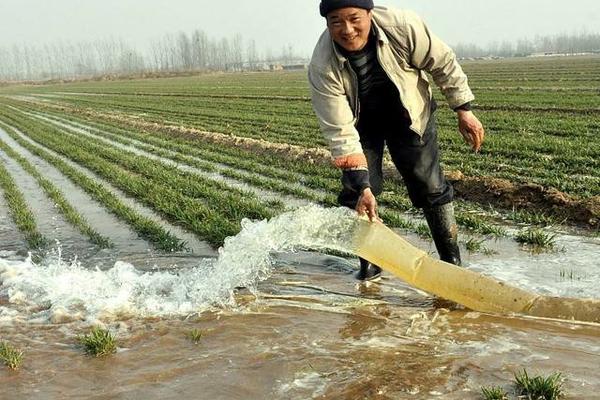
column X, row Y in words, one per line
column 542, row 117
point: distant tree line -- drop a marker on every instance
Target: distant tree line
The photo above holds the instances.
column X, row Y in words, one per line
column 199, row 52
column 172, row 53
column 558, row 44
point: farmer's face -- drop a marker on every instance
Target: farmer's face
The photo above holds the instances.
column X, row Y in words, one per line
column 350, row 27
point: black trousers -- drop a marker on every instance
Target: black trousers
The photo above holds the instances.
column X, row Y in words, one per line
column 416, row 158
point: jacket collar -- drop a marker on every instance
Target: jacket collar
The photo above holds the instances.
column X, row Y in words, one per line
column 379, row 33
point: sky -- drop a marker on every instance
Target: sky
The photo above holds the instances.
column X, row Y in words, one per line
column 277, row 23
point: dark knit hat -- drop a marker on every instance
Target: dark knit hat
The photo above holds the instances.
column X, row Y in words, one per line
column 329, row 5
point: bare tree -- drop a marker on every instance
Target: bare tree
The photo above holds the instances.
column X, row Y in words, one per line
column 252, row 54
column 184, row 52
column 237, row 52
column 199, row 49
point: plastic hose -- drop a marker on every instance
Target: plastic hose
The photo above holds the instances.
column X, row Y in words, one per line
column 381, row 246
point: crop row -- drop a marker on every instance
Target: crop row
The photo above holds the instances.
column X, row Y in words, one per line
column 206, row 208
column 145, row 227
column 564, row 159
column 278, row 165
column 54, row 193
column 210, row 157
column 202, row 160
column 546, row 71
column 394, row 199
column 224, row 120
column 332, row 183
column 20, row 211
column 278, row 106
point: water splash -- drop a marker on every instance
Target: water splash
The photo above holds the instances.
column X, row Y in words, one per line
column 56, row 290
column 59, row 291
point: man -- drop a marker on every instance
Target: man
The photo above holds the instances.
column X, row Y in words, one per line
column 369, row 89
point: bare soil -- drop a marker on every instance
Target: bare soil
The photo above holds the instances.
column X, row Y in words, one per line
column 505, row 194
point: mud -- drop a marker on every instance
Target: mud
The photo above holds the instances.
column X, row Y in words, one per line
column 533, row 197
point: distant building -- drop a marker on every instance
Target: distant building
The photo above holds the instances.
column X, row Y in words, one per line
column 292, row 67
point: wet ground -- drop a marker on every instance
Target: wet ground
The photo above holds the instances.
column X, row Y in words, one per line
column 307, row 330
column 312, row 333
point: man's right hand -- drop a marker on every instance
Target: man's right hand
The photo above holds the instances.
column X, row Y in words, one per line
column 367, row 205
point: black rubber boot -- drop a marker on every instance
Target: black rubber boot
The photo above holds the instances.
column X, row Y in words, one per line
column 444, row 232
column 368, row 271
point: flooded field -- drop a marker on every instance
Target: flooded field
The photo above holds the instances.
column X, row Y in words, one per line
column 279, row 323
column 128, row 205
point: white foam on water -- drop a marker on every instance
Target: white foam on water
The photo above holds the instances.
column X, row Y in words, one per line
column 312, row 381
column 56, row 290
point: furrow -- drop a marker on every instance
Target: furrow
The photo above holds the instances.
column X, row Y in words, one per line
column 141, row 219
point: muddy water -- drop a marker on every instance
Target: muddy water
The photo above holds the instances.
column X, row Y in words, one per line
column 302, row 328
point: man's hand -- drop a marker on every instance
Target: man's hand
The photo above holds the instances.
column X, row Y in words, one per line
column 367, row 205
column 471, row 129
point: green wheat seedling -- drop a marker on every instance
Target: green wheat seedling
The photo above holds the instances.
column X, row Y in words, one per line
column 145, row 227
column 98, row 343
column 19, row 211
column 539, row 387
column 474, row 245
column 536, row 238
column 494, row 393
column 195, row 335
column 395, row 220
column 423, row 230
column 12, row 357
column 531, row 217
column 56, row 195
column 567, row 274
column 479, row 225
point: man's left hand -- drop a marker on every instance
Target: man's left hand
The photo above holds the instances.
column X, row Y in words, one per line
column 471, row 129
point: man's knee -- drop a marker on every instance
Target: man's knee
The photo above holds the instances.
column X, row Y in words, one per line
column 430, row 196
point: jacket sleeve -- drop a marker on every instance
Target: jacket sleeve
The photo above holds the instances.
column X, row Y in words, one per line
column 427, row 52
column 336, row 119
